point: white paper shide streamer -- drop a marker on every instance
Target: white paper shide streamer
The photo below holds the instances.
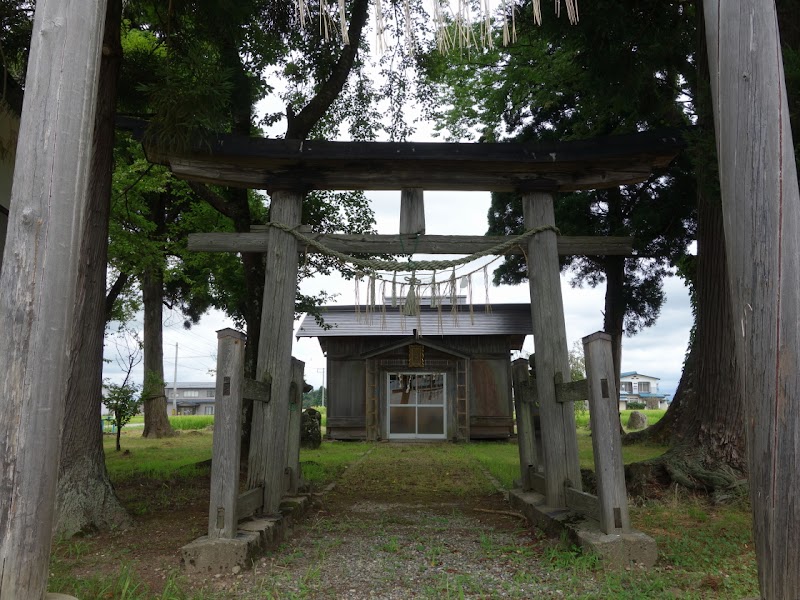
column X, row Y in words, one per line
column 455, row 25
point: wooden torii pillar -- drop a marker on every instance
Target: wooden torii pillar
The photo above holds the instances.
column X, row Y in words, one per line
column 761, row 214
column 559, row 439
column 267, row 460
column 39, row 280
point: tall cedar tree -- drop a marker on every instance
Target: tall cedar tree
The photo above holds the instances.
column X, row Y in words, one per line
column 617, row 71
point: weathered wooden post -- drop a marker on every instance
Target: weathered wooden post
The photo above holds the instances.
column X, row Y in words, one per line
column 412, row 211
column 761, row 212
column 267, row 460
column 38, row 281
column 295, row 417
column 225, row 462
column 559, row 439
column 606, row 441
column 526, row 434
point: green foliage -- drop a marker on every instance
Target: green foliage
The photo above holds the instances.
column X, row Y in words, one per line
column 123, row 401
column 631, row 70
column 314, row 398
column 637, row 405
column 577, row 362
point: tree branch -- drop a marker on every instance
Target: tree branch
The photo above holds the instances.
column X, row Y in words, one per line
column 116, row 289
column 214, row 199
column 300, row 125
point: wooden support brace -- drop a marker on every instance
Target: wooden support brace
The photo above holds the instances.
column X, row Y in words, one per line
column 257, row 391
column 571, row 391
column 412, row 211
column 582, row 502
column 606, row 442
column 295, row 416
column 222, row 505
column 526, row 435
column 249, row 503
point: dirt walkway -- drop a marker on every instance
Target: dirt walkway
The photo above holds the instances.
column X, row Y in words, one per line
column 407, row 522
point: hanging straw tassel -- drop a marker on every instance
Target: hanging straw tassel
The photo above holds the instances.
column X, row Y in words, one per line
column 358, row 299
column 419, row 308
column 453, row 297
column 343, row 23
column 487, row 306
column 402, row 308
column 412, row 304
column 372, row 302
column 383, row 304
column 469, row 299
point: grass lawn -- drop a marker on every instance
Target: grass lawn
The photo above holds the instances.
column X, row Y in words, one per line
column 705, row 551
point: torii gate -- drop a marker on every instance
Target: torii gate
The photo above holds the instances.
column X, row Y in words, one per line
column 761, row 205
column 289, row 168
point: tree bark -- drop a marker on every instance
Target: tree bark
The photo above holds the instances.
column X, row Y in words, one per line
column 614, row 314
column 156, row 423
column 85, row 498
column 705, row 422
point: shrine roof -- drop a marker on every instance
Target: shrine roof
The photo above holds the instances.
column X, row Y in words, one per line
column 262, row 163
column 344, row 321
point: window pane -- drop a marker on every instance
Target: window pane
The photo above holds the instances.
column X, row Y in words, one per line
column 401, row 389
column 432, row 391
column 431, row 421
column 644, row 386
column 401, row 419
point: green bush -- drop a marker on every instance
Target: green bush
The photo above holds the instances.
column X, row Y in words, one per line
column 636, row 405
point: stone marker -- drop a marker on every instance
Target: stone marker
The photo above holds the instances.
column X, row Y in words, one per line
column 637, row 420
column 311, row 429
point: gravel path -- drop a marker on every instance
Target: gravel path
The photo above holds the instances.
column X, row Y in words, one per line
column 404, row 524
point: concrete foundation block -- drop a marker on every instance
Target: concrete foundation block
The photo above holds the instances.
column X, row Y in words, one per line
column 294, row 506
column 266, row 528
column 205, row 555
column 616, row 550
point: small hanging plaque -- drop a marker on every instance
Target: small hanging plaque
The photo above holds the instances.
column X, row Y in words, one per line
column 416, row 356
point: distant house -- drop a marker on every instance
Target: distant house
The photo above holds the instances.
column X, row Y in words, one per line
column 193, row 398
column 442, row 375
column 637, row 387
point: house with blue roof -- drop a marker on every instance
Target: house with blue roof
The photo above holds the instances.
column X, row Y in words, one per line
column 637, row 387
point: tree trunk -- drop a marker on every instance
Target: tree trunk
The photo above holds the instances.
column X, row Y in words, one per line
column 85, row 498
column 156, row 423
column 614, row 315
column 705, row 422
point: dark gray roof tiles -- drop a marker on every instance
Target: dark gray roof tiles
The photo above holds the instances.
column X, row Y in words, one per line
column 344, row 321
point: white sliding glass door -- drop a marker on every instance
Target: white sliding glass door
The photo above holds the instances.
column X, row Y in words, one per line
column 417, row 406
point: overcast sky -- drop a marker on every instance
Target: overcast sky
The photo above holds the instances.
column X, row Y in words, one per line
column 657, row 351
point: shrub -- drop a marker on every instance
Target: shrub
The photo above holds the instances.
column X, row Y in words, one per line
column 636, row 405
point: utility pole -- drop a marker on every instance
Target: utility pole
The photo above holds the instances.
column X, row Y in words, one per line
column 175, row 384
